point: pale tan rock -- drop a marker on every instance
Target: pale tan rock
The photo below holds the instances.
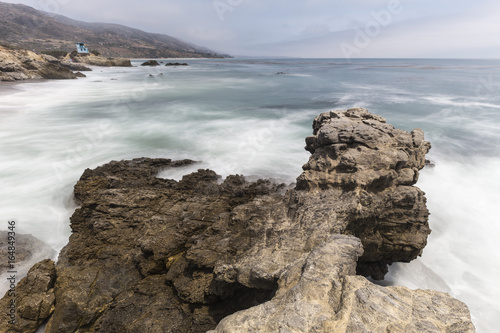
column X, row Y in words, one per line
column 370, row 308
column 322, row 294
column 23, row 65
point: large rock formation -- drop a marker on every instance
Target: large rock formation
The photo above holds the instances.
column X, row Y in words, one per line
column 23, row 64
column 369, row 167
column 157, row 255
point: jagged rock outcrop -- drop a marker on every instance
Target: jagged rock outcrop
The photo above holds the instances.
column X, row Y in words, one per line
column 370, row 167
column 156, row 255
column 23, row 65
column 32, row 300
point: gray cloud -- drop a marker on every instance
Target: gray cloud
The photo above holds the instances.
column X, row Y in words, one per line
column 307, row 28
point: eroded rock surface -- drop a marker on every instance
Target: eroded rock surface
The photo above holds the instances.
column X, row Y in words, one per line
column 324, row 295
column 23, row 64
column 156, row 255
column 370, row 168
column 32, row 300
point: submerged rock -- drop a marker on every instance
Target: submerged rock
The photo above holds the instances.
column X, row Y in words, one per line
column 28, row 250
column 176, row 64
column 157, row 255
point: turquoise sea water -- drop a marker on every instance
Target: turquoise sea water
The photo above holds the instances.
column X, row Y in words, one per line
column 239, row 116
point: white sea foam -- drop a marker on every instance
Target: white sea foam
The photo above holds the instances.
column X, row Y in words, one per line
column 462, row 251
column 452, row 101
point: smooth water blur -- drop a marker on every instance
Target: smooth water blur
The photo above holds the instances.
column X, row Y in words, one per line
column 240, row 116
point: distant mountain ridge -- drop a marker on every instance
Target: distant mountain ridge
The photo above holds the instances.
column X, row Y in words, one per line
column 25, row 27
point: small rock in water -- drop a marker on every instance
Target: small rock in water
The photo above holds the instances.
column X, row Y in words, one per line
column 150, row 63
column 176, row 64
column 430, row 164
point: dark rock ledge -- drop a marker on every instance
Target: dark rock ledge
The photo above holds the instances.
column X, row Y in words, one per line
column 156, row 255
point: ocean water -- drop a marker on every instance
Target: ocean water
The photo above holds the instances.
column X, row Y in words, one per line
column 240, row 116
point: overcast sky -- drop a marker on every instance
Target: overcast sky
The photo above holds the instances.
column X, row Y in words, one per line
column 307, row 28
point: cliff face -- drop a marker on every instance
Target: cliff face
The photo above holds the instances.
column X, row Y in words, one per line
column 156, row 255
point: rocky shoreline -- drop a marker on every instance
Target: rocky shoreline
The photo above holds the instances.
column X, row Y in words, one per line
column 18, row 64
column 148, row 254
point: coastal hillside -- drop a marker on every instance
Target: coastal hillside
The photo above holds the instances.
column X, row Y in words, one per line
column 27, row 28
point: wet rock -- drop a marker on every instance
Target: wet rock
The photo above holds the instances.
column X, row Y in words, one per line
column 176, row 64
column 430, row 164
column 32, row 300
column 80, row 74
column 150, row 63
column 28, row 251
column 129, row 239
